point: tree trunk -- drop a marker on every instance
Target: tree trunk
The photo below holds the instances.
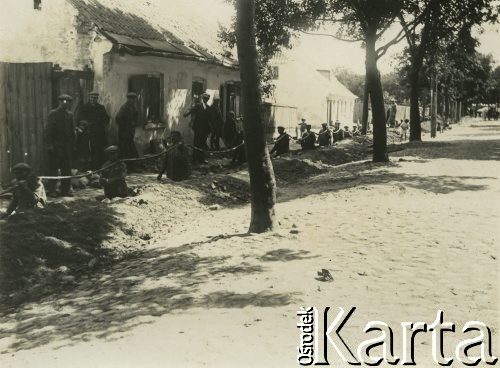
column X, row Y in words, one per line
column 434, row 106
column 260, row 168
column 446, row 103
column 415, row 118
column 459, row 111
column 366, row 101
column 376, row 99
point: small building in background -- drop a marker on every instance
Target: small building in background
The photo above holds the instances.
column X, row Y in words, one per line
column 312, row 94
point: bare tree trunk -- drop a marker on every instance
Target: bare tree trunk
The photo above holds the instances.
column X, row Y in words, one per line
column 366, row 101
column 260, row 168
column 415, row 119
column 376, row 98
column 434, row 106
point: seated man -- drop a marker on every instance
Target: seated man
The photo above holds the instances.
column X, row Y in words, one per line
column 347, row 133
column 324, row 136
column 355, row 131
column 308, row 139
column 338, row 133
column 176, row 163
column 282, row 143
column 114, row 173
column 28, row 191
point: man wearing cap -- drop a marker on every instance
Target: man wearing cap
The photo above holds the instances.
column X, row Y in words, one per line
column 176, row 163
column 201, row 127
column 338, row 132
column 60, row 143
column 127, row 119
column 324, row 136
column 282, row 143
column 113, row 176
column 28, row 191
column 308, row 139
column 94, row 116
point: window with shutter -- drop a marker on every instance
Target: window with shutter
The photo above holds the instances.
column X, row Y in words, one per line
column 149, row 89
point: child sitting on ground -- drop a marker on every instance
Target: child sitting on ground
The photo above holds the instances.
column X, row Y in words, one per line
column 28, row 191
column 114, row 173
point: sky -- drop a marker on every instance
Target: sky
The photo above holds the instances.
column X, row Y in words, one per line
column 329, row 53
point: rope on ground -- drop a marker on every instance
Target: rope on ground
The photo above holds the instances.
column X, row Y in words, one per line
column 89, row 173
column 220, row 151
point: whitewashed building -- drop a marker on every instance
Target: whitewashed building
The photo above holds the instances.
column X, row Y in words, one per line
column 164, row 50
column 316, row 95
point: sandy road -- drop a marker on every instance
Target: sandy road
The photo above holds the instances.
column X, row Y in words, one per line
column 401, row 241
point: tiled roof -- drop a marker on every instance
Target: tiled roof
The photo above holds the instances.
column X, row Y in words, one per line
column 174, row 27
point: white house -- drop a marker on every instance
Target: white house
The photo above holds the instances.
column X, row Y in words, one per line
column 164, row 50
column 317, row 95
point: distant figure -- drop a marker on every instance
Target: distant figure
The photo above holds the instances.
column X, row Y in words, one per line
column 324, row 136
column 127, row 119
column 308, row 139
column 347, row 133
column 230, row 130
column 239, row 155
column 301, row 129
column 60, row 142
column 405, row 125
column 28, row 191
column 176, row 163
column 282, row 143
column 391, row 114
column 95, row 117
column 338, row 133
column 355, row 131
column 114, row 174
column 201, row 127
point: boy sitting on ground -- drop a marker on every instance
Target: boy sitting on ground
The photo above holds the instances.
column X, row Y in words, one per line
column 114, row 173
column 176, row 163
column 28, row 191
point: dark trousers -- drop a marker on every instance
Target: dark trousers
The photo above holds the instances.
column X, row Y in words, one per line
column 58, row 161
column 96, row 154
column 200, row 141
column 126, row 143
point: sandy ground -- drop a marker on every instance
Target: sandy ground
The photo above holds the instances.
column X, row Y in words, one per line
column 401, row 240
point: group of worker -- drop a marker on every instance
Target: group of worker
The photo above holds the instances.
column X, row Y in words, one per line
column 89, row 137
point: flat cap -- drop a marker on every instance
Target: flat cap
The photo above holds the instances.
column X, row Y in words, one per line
column 205, row 95
column 132, row 94
column 112, row 149
column 65, row 96
column 93, row 93
column 21, row 166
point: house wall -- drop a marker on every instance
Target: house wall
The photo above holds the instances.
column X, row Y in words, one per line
column 177, row 80
column 56, row 34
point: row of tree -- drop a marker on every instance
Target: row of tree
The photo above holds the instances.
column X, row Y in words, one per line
column 433, row 29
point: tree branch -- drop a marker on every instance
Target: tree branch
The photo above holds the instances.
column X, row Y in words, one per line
column 381, row 51
column 331, row 35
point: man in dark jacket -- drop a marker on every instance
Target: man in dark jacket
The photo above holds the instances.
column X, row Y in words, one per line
column 60, row 143
column 200, row 115
column 324, row 136
column 282, row 143
column 127, row 119
column 216, row 125
column 230, row 130
column 95, row 117
column 176, row 163
column 308, row 139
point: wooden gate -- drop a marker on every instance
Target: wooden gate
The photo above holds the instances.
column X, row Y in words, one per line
column 25, row 101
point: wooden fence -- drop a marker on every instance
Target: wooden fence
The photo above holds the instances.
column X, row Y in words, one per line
column 25, row 101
